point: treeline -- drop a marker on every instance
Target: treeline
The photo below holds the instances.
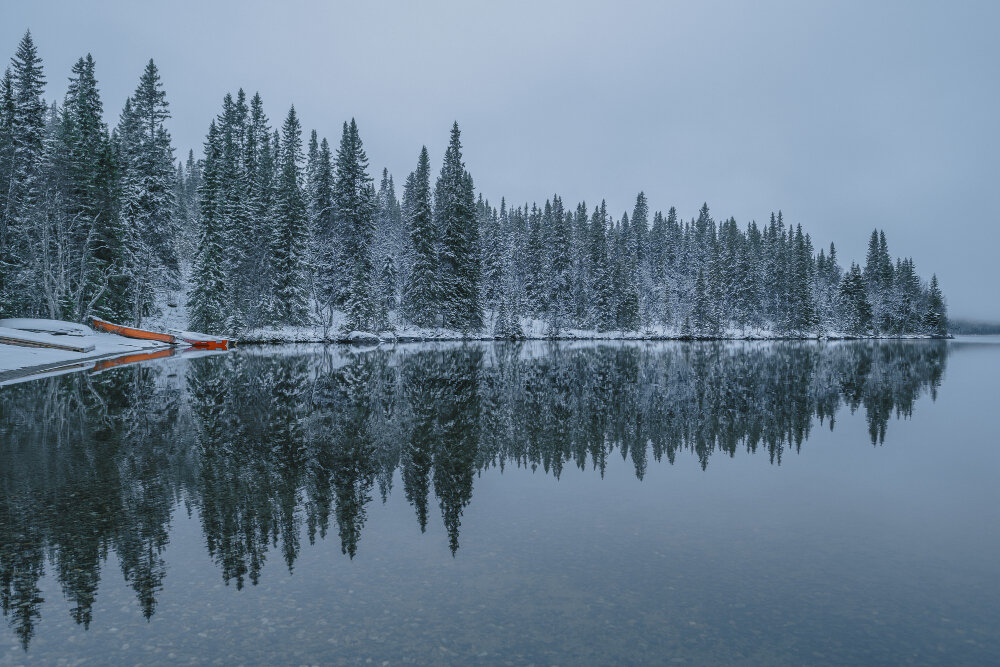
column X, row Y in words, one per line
column 274, row 449
column 263, row 231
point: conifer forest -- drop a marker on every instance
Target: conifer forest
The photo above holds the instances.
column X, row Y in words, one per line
column 271, row 226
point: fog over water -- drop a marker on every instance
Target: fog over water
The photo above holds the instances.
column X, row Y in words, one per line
column 844, row 115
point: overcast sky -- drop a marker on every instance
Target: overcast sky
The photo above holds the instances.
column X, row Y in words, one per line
column 845, row 115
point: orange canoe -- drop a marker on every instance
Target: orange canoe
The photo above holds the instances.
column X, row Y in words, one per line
column 130, row 332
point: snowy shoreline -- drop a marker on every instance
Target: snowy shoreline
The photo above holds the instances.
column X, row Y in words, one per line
column 18, row 364
column 308, row 335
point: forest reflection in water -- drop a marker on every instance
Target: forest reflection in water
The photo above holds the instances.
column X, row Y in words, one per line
column 272, row 445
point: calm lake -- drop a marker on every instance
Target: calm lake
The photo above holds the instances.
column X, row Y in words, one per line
column 769, row 503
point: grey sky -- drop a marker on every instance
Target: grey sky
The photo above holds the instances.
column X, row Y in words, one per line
column 845, row 115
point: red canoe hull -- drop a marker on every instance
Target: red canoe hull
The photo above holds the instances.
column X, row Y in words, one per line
column 131, row 332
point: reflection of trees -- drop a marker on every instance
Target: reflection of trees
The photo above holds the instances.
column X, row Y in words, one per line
column 87, row 465
column 264, row 445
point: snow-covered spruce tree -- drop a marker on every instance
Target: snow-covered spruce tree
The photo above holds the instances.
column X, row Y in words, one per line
column 207, row 300
column 580, row 257
column 490, row 253
column 535, row 290
column 507, row 323
column 261, row 168
column 640, row 246
column 455, row 218
column 878, row 274
column 290, row 227
column 420, row 294
column 186, row 203
column 354, row 201
column 6, row 153
column 240, row 247
column 25, row 114
column 602, row 308
column 150, row 166
column 907, row 298
column 323, row 250
column 559, row 265
column 746, row 290
column 83, row 255
column 389, row 246
column 828, row 276
column 936, row 318
column 626, row 288
column 855, row 307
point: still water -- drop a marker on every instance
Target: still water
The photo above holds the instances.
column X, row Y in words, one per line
column 772, row 503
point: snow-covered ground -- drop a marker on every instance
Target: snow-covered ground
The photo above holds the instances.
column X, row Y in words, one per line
column 172, row 316
column 533, row 330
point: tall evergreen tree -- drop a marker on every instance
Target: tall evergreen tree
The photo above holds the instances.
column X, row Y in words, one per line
column 354, row 200
column 289, row 236
column 854, row 300
column 150, row 165
column 26, row 120
column 936, row 318
column 421, row 292
column 602, row 315
column 207, row 302
column 455, row 218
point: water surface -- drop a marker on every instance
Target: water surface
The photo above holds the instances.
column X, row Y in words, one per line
column 773, row 503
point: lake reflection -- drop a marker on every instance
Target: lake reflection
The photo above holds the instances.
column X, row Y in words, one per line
column 273, row 447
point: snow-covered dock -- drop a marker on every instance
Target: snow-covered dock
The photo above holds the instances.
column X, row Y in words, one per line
column 18, row 361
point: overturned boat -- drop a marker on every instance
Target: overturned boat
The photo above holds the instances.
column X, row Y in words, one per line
column 132, row 332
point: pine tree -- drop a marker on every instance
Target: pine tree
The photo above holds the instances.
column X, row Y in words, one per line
column 207, row 301
column 491, row 254
column 390, row 246
column 354, row 201
column 150, row 164
column 602, row 315
column 854, row 302
column 87, row 232
column 289, row 237
column 455, row 218
column 240, row 247
column 936, row 318
column 559, row 265
column 508, row 318
column 260, row 168
column 420, row 294
column 26, row 120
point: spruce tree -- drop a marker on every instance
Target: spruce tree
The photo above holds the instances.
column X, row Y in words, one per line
column 602, row 314
column 936, row 318
column 150, row 164
column 324, row 250
column 421, row 292
column 354, row 201
column 26, row 120
column 857, row 310
column 455, row 218
column 559, row 265
column 289, row 237
column 207, row 305
column 82, row 149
